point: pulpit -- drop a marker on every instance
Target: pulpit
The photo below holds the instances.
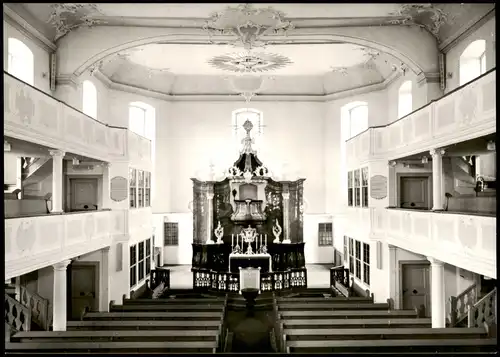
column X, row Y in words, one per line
column 247, row 220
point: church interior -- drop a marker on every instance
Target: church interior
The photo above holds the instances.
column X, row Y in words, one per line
column 250, row 178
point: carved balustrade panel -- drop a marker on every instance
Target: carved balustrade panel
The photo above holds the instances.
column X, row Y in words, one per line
column 17, row 315
column 39, row 307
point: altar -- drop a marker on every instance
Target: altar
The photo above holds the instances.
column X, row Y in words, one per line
column 234, row 216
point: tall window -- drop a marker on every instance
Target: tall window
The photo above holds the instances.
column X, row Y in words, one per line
column 405, row 105
column 89, row 105
column 170, row 233
column 140, row 188
column 325, row 235
column 357, row 188
column 147, row 189
column 137, row 119
column 364, row 187
column 473, row 61
column 133, row 187
column 350, row 189
column 140, row 261
column 240, row 116
column 133, row 265
column 358, row 120
column 358, row 259
column 20, row 63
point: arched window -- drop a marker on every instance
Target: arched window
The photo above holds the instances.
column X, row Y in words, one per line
column 473, row 61
column 240, row 116
column 89, row 106
column 357, row 119
column 405, row 105
column 141, row 119
column 21, row 62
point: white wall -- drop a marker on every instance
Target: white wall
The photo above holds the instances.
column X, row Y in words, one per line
column 40, row 56
column 183, row 253
column 485, row 32
column 10, row 168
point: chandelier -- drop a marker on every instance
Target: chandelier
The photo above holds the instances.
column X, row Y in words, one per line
column 247, row 24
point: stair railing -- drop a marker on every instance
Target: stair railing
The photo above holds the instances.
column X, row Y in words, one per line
column 484, row 311
column 38, row 305
column 17, row 315
column 460, row 304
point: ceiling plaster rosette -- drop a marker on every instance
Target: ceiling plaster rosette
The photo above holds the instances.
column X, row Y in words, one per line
column 256, row 62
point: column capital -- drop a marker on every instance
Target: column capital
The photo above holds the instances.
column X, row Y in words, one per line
column 392, row 163
column 57, row 153
column 210, row 195
column 105, row 250
column 435, row 261
column 61, row 265
column 437, row 152
column 391, row 247
column 106, row 165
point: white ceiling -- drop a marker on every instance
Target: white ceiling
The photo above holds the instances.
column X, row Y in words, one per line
column 311, row 59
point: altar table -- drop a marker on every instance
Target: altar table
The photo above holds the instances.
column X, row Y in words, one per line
column 237, row 261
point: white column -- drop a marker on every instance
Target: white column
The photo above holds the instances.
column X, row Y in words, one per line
column 57, row 180
column 438, row 300
column 437, row 179
column 210, row 197
column 105, row 283
column 286, row 229
column 60, row 289
column 394, row 288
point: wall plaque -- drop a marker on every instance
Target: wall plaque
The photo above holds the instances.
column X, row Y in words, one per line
column 118, row 189
column 378, row 187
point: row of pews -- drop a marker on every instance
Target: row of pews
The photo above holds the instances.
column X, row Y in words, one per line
column 166, row 325
column 358, row 325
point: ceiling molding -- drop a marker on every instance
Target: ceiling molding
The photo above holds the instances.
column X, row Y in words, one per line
column 428, row 77
column 465, row 31
column 12, row 18
column 234, row 97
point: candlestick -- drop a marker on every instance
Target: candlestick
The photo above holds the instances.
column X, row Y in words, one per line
column 232, row 240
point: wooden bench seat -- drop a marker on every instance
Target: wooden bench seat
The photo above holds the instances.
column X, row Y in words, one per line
column 114, row 347
column 365, row 314
column 116, row 336
column 179, row 315
column 388, row 346
column 355, row 323
column 143, row 325
column 332, row 300
column 173, row 301
column 292, row 334
column 167, row 307
column 322, row 306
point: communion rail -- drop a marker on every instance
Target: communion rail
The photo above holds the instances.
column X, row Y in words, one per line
column 209, row 280
column 484, row 311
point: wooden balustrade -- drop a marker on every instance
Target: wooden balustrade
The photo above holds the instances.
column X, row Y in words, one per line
column 38, row 305
column 275, row 281
column 339, row 280
column 459, row 305
column 17, row 315
column 484, row 311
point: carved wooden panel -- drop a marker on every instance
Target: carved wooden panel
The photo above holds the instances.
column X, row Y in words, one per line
column 200, row 209
column 222, row 208
column 274, row 207
column 295, row 211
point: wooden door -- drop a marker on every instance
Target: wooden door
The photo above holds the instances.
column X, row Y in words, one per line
column 414, row 192
column 83, row 194
column 416, row 287
column 83, row 289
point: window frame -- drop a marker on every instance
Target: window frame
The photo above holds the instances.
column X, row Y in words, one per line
column 364, row 187
column 482, row 63
column 357, row 187
column 358, row 260
column 351, row 112
column 133, row 128
column 350, row 189
column 133, row 188
column 325, row 234
column 366, row 263
column 20, row 60
column 89, row 99
column 170, row 240
column 346, row 255
column 133, row 265
column 405, row 99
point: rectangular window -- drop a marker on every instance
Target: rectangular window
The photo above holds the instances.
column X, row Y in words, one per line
column 141, row 189
column 358, row 260
column 325, row 235
column 366, row 263
column 171, row 233
column 357, row 188
column 351, row 256
column 141, row 262
column 148, row 257
column 133, row 265
column 147, row 193
column 350, row 190
column 133, row 187
column 364, row 187
column 346, row 256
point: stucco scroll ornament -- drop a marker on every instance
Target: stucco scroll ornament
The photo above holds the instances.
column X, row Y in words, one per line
column 66, row 17
column 248, row 24
column 340, row 70
column 277, row 231
column 219, row 232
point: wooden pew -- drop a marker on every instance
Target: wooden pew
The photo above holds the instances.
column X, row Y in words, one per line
column 332, row 300
column 116, row 336
column 159, row 315
column 167, row 307
column 92, row 325
column 391, row 346
column 113, row 347
column 162, row 301
column 293, row 334
column 337, row 306
column 354, row 323
column 347, row 314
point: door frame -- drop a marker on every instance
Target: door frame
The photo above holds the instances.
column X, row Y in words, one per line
column 69, row 278
column 69, row 191
column 401, row 175
column 401, row 267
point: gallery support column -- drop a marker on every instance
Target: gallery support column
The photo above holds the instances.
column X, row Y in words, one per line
column 437, row 179
column 210, row 197
column 286, row 202
column 104, row 290
column 57, row 180
column 438, row 300
column 60, row 290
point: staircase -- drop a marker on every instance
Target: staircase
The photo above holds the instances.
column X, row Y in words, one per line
column 470, row 309
column 462, row 170
column 34, row 170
